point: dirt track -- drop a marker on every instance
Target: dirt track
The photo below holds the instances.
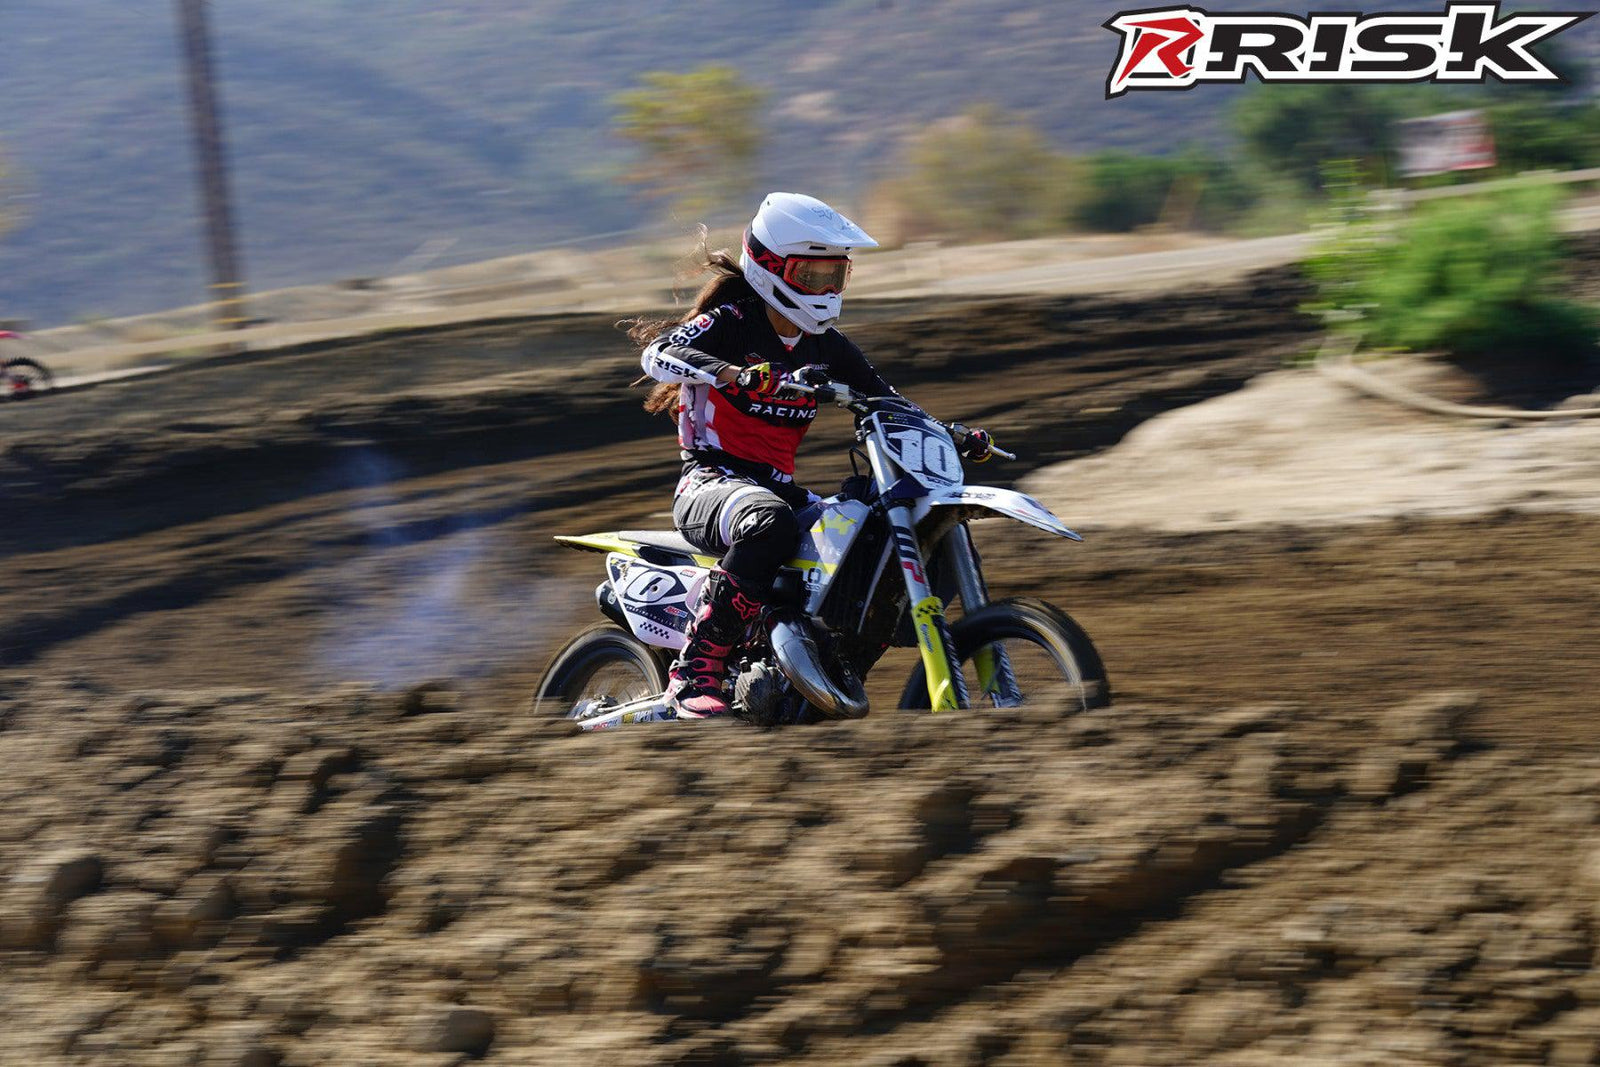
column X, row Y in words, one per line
column 1269, row 852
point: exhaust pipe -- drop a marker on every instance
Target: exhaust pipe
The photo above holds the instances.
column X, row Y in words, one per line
column 798, row 658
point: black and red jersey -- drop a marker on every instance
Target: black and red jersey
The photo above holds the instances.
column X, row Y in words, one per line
column 755, row 429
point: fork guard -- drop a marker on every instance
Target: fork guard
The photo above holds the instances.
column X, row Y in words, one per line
column 796, row 651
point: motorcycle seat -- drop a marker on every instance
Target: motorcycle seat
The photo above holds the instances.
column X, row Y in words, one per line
column 665, row 540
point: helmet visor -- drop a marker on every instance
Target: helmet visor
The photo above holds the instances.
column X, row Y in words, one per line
column 817, row 275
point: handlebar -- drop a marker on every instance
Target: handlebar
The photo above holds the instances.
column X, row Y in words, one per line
column 830, row 393
column 842, row 395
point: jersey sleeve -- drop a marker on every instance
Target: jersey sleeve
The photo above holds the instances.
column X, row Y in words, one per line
column 691, row 352
column 848, row 364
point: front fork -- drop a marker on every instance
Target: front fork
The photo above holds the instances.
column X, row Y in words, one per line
column 947, row 688
column 995, row 676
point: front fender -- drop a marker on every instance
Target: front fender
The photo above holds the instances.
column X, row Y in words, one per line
column 1008, row 502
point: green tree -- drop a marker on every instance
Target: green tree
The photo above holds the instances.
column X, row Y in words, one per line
column 1472, row 276
column 699, row 134
column 1546, row 133
column 1295, row 129
column 984, row 175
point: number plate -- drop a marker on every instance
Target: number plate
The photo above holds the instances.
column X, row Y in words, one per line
column 922, row 449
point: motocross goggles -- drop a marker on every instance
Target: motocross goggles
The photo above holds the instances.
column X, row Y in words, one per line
column 811, row 275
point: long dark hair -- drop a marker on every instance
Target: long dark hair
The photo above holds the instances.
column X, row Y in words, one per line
column 725, row 286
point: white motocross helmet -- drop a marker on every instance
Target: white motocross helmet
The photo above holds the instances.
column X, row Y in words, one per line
column 797, row 256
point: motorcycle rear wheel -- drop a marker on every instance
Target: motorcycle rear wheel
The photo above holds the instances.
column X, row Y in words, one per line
column 1053, row 656
column 604, row 662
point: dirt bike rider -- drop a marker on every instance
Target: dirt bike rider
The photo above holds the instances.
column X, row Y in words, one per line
column 722, row 371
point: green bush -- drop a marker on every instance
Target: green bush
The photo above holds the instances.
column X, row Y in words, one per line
column 1123, row 192
column 1471, row 276
column 983, row 175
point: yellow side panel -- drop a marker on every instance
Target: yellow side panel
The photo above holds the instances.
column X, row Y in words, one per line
column 610, row 542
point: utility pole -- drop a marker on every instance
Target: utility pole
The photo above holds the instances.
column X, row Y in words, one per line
column 227, row 284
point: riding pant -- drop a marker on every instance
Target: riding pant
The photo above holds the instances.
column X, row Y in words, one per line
column 751, row 525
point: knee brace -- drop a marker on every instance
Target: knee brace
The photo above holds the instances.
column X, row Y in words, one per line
column 765, row 537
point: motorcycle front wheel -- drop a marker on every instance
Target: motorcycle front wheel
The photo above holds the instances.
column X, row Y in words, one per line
column 603, row 663
column 1051, row 656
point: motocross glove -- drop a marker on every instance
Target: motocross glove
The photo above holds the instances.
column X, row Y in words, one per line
column 812, row 375
column 763, row 379
column 976, row 446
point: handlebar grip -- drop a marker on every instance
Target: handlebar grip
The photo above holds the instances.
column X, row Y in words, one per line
column 811, row 375
column 961, row 433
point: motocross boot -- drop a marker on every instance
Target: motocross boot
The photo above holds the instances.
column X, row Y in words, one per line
column 698, row 680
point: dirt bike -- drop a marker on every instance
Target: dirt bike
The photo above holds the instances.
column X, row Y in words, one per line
column 21, row 377
column 837, row 607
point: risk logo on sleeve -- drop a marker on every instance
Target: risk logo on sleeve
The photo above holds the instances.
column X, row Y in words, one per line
column 1180, row 47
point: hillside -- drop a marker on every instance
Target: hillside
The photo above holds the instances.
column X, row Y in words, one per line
column 484, row 122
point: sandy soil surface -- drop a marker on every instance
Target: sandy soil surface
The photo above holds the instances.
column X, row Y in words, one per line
column 1294, row 448
column 1343, row 812
column 252, row 877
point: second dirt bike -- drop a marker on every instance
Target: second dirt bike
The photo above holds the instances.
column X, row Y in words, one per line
column 21, row 377
column 839, row 605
